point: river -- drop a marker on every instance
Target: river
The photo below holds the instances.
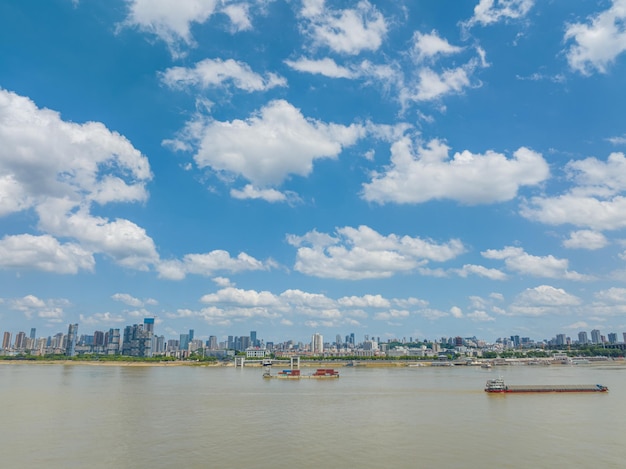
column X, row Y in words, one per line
column 75, row 416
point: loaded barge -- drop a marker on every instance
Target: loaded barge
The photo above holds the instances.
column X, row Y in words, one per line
column 498, row 385
column 320, row 373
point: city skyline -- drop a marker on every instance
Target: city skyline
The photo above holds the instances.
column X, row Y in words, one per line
column 420, row 169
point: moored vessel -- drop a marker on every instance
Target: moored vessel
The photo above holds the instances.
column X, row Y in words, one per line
column 497, row 385
column 320, row 373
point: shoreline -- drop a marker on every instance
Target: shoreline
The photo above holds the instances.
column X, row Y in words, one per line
column 303, row 364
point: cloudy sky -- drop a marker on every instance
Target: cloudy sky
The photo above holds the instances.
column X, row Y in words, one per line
column 408, row 168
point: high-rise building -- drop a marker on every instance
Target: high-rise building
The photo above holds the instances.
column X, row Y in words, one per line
column 70, row 344
column 20, row 341
column 253, row 341
column 582, row 338
column 6, row 341
column 595, row 336
column 33, row 333
column 612, row 338
column 212, row 342
column 560, row 339
column 148, row 325
column 136, row 341
column 98, row 338
column 183, row 343
column 317, row 343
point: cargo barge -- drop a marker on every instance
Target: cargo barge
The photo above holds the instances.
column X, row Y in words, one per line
column 497, row 385
column 320, row 373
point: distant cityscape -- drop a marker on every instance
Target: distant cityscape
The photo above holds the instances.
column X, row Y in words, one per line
column 140, row 340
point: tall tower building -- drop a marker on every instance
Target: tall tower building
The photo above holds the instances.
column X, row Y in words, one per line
column 20, row 341
column 253, row 341
column 317, row 343
column 70, row 344
column 6, row 341
column 595, row 336
column 33, row 333
column 582, row 338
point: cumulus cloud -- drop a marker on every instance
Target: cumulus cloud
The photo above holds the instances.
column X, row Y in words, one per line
column 481, row 271
column 87, row 165
column 208, row 264
column 599, row 41
column 241, row 297
column 489, row 12
column 98, row 319
column 52, row 310
column 25, row 252
column 132, row 301
column 366, row 301
column 517, row 260
column 269, row 195
column 326, row 67
column 595, row 201
column 349, row 31
column 416, row 176
column 585, row 239
column 430, row 45
column 360, row 253
column 480, row 316
column 271, row 145
column 543, row 300
column 172, row 21
column 214, row 73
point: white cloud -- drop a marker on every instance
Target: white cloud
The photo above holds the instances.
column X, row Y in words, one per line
column 87, row 165
column 132, row 301
column 431, row 45
column 579, row 211
column 101, row 319
column 208, row 264
column 456, row 312
column 239, row 15
column 237, row 296
column 268, row 147
column 52, row 310
column 612, row 295
column 517, row 260
column 348, row 31
column 543, row 300
column 393, row 314
column 43, row 253
column 217, row 73
column 251, row 192
column 481, row 271
column 365, row 301
column 585, row 239
column 597, row 43
column 432, row 85
column 480, row 316
column 619, row 140
column 326, row 67
column 359, row 253
column 468, row 178
column 170, row 21
column 594, row 202
column 493, row 11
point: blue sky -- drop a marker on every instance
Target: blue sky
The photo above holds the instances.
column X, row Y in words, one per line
column 397, row 169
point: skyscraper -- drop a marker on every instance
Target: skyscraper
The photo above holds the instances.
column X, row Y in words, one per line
column 595, row 336
column 253, row 341
column 582, row 338
column 6, row 341
column 317, row 343
column 33, row 333
column 70, row 344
